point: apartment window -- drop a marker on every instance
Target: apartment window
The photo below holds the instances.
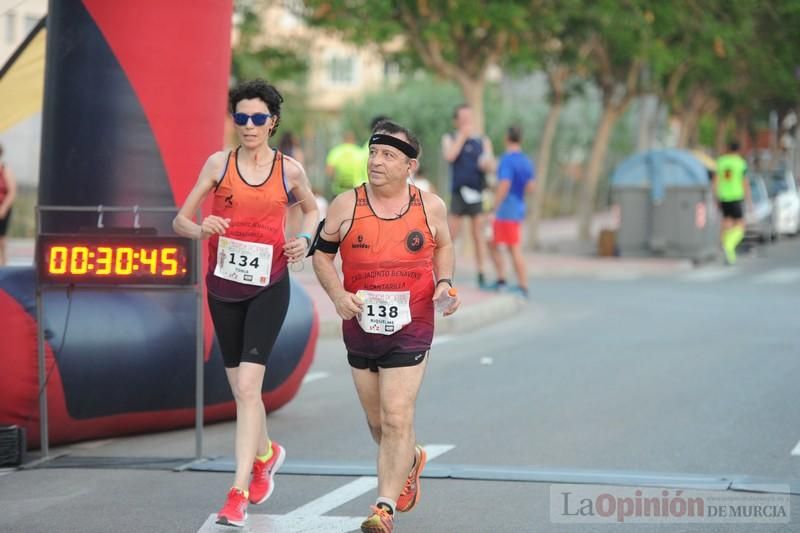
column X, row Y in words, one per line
column 30, row 22
column 11, row 28
column 289, row 18
column 341, row 70
column 391, row 70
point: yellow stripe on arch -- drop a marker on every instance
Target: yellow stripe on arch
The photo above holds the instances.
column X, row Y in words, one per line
column 22, row 82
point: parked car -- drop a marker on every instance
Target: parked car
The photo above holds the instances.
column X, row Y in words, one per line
column 758, row 219
column 785, row 198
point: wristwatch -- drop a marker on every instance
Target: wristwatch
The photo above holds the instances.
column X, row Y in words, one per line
column 445, row 280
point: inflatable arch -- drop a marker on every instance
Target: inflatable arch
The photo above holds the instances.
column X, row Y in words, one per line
column 134, row 102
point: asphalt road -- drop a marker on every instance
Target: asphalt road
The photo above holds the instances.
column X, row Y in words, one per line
column 686, row 375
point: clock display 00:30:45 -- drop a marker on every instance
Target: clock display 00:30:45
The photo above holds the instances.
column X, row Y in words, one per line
column 113, row 261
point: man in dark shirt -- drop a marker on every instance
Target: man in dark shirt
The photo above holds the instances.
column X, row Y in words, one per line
column 470, row 156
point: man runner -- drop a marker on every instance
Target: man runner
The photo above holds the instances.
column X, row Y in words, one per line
column 397, row 258
column 732, row 188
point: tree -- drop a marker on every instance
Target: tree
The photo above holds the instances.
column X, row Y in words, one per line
column 256, row 55
column 554, row 46
column 557, row 77
column 428, row 121
column 620, row 37
column 252, row 57
column 456, row 39
column 733, row 60
column 774, row 66
column 431, row 121
column 696, row 50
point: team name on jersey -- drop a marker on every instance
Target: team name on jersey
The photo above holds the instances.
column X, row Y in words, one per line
column 360, row 242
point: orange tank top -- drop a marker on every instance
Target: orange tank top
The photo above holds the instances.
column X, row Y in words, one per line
column 257, row 214
column 394, row 254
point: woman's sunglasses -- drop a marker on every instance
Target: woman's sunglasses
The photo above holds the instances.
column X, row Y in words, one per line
column 259, row 119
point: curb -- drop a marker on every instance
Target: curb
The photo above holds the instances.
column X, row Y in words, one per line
column 480, row 314
column 468, row 318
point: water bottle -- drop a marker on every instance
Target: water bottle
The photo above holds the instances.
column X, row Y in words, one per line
column 445, row 300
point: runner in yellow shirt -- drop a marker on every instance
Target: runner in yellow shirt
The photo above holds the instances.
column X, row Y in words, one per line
column 732, row 189
column 344, row 165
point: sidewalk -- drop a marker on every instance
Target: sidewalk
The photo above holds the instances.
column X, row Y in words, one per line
column 562, row 255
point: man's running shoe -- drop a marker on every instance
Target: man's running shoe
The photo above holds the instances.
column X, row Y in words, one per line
column 234, row 512
column 262, row 482
column 498, row 286
column 411, row 492
column 380, row 521
column 522, row 292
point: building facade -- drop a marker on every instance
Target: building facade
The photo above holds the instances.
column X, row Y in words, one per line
column 17, row 19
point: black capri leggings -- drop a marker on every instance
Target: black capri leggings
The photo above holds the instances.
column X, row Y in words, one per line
column 4, row 223
column 247, row 330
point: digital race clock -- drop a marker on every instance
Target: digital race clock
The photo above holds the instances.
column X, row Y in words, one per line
column 115, row 260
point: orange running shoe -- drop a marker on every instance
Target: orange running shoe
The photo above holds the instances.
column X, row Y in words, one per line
column 380, row 521
column 411, row 492
column 234, row 512
column 262, row 482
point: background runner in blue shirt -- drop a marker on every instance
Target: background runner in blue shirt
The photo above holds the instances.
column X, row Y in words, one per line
column 515, row 178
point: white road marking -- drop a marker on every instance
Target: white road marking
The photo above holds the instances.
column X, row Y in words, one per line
column 356, row 488
column 308, row 518
column 4, row 471
column 796, row 450
column 709, row 274
column 778, row 275
column 314, row 376
column 441, row 339
column 337, row 497
column 263, row 523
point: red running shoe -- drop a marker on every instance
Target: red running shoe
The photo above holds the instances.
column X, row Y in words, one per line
column 411, row 492
column 234, row 512
column 262, row 482
column 380, row 521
